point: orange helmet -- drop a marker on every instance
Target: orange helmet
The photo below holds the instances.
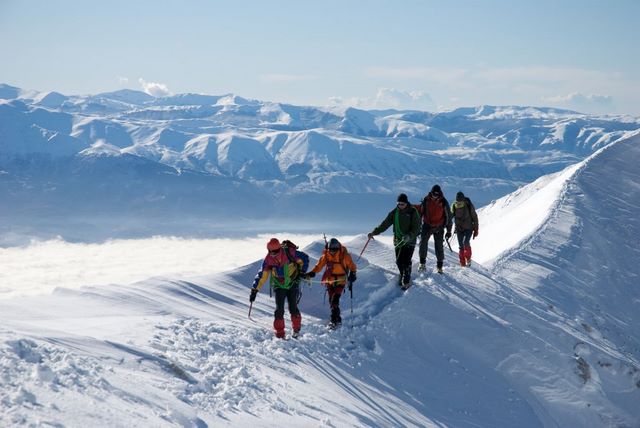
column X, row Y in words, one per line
column 273, row 245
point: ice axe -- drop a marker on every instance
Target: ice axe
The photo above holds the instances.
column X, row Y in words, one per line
column 363, row 248
column 250, row 307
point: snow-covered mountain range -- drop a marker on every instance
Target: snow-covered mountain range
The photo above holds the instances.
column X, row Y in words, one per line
column 543, row 333
column 126, row 155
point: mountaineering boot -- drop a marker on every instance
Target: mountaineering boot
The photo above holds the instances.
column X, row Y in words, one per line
column 406, row 278
column 422, row 267
column 296, row 323
column 467, row 254
column 278, row 326
column 336, row 319
column 463, row 259
column 440, row 270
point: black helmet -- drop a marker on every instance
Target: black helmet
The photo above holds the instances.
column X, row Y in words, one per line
column 334, row 244
column 459, row 196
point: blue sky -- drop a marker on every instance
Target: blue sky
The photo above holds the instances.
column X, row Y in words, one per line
column 430, row 55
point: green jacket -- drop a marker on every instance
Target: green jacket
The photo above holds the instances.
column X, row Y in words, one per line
column 405, row 222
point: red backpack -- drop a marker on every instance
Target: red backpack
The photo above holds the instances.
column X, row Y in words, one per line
column 433, row 211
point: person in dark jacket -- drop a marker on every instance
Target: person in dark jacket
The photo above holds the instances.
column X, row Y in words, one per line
column 466, row 219
column 436, row 217
column 406, row 226
column 284, row 265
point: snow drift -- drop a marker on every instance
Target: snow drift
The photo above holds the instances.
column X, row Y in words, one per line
column 542, row 336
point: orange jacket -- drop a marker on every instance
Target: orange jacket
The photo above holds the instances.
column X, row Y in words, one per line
column 337, row 266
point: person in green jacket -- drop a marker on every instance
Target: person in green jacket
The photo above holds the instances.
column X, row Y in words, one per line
column 406, row 227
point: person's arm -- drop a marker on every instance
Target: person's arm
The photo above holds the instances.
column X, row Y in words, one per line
column 302, row 259
column 386, row 223
column 318, row 267
column 262, row 276
column 448, row 223
column 474, row 219
column 415, row 225
column 348, row 261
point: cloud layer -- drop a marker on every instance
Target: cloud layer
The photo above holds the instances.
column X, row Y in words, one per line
column 589, row 102
column 388, row 98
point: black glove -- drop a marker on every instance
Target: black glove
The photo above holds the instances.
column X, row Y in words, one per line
column 352, row 276
column 448, row 235
column 308, row 275
column 252, row 296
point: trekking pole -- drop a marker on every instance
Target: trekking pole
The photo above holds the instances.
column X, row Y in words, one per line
column 363, row 248
column 250, row 307
column 449, row 245
column 351, row 293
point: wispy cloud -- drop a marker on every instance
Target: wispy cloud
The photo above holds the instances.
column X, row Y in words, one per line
column 153, row 88
column 577, row 100
column 284, row 78
column 388, row 98
column 542, row 74
column 440, row 75
column 122, row 80
column 491, row 74
column 521, row 85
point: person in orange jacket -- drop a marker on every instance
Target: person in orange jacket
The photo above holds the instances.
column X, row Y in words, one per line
column 340, row 268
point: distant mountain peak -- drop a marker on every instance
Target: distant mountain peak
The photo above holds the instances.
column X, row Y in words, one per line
column 129, row 96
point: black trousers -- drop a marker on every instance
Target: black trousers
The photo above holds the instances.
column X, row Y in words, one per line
column 291, row 295
column 404, row 254
column 464, row 238
column 438, row 240
column 334, row 300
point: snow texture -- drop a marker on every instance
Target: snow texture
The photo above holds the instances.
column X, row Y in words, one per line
column 542, row 335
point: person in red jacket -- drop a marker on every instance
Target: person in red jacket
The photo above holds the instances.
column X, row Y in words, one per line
column 284, row 265
column 340, row 268
column 436, row 217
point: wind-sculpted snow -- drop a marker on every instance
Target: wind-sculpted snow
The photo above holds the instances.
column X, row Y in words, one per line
column 462, row 349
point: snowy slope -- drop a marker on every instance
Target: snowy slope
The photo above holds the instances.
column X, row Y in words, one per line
column 542, row 336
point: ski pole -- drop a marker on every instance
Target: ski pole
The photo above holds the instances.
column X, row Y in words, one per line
column 363, row 248
column 250, row 307
column 351, row 293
